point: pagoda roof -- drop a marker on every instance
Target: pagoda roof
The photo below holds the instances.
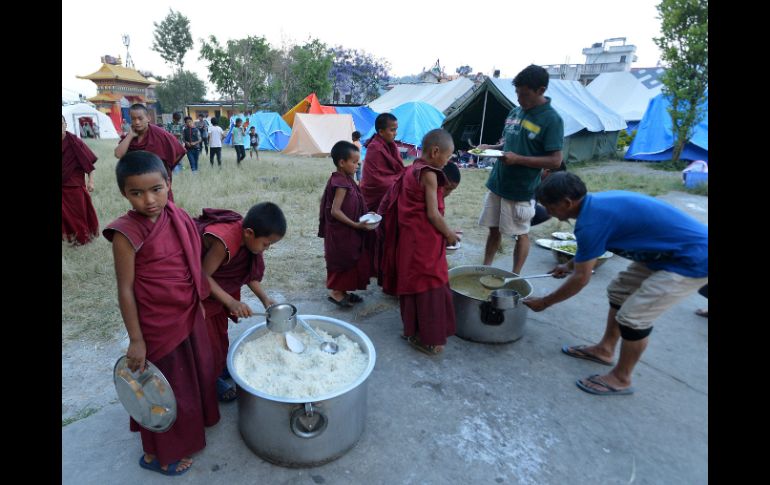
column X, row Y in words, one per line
column 115, row 72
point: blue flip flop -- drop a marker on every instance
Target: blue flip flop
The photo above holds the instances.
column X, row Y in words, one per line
column 225, row 391
column 577, row 352
column 611, row 391
column 154, row 465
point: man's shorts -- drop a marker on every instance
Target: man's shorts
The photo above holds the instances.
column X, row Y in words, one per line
column 512, row 217
column 643, row 294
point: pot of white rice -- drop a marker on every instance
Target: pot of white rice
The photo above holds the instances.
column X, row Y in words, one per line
column 301, row 410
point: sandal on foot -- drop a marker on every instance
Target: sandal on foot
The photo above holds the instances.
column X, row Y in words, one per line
column 609, row 390
column 578, row 352
column 702, row 313
column 427, row 349
column 225, row 373
column 353, row 298
column 154, row 465
column 344, row 303
column 225, row 391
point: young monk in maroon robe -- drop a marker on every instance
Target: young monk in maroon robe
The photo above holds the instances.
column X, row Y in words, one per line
column 414, row 261
column 383, row 163
column 145, row 136
column 79, row 224
column 346, row 241
column 232, row 257
column 161, row 287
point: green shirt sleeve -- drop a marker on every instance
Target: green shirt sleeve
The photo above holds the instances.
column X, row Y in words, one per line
column 553, row 138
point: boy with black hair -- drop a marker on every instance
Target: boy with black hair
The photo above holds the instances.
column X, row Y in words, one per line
column 192, row 142
column 346, row 240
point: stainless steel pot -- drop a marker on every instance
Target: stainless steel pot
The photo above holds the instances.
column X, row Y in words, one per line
column 499, row 319
column 303, row 432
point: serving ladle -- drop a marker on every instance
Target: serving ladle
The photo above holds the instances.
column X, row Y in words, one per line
column 326, row 346
column 494, row 282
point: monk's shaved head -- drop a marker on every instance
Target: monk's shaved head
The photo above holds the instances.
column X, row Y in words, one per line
column 138, row 162
column 138, row 107
column 438, row 138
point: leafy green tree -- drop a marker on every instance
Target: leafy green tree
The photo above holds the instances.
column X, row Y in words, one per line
column 179, row 90
column 684, row 46
column 310, row 67
column 239, row 69
column 358, row 74
column 172, row 39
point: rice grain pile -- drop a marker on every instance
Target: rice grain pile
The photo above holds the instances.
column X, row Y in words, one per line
column 268, row 366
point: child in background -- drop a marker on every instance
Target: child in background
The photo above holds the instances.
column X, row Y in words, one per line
column 348, row 261
column 414, row 264
column 237, row 140
column 254, row 141
column 79, row 224
column 383, row 163
column 192, row 142
column 216, row 135
column 357, row 142
column 232, row 257
column 161, row 286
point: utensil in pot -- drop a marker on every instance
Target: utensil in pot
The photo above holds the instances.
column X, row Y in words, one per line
column 280, row 317
column 294, row 344
column 326, row 346
column 494, row 282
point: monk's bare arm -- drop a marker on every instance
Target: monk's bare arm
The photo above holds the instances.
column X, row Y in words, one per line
column 256, row 287
column 339, row 196
column 212, row 260
column 122, row 147
column 90, row 181
column 430, row 182
column 124, row 255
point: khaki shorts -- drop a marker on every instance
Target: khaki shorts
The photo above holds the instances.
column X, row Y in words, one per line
column 643, row 294
column 512, row 217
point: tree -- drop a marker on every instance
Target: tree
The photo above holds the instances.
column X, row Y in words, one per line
column 464, row 70
column 357, row 73
column 241, row 68
column 685, row 49
column 310, row 66
column 181, row 89
column 172, row 39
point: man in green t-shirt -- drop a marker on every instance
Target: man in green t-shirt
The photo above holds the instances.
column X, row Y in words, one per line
column 532, row 141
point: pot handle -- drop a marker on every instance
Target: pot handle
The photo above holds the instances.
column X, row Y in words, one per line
column 307, row 421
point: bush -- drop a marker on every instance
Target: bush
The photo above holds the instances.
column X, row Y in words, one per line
column 224, row 122
column 624, row 139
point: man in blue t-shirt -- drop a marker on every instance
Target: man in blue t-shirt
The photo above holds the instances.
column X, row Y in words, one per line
column 669, row 253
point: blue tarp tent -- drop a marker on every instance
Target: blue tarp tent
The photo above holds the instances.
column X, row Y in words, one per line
column 415, row 119
column 273, row 131
column 363, row 116
column 655, row 139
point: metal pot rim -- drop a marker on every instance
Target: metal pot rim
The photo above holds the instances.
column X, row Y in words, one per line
column 289, row 400
column 483, row 270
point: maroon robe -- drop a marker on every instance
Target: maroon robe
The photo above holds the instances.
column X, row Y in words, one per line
column 382, row 166
column 169, row 288
column 164, row 145
column 79, row 223
column 346, row 250
column 240, row 267
column 414, row 265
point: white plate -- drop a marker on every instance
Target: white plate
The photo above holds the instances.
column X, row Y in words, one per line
column 555, row 245
column 545, row 243
column 456, row 246
column 488, row 153
column 370, row 218
column 563, row 236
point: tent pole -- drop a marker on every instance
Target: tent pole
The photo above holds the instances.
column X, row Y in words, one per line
column 483, row 115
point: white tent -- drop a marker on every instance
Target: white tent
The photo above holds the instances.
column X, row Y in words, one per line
column 315, row 135
column 628, row 93
column 73, row 112
column 439, row 95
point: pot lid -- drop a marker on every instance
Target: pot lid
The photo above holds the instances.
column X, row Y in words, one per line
column 147, row 396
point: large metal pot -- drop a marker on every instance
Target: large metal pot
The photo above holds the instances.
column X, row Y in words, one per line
column 303, row 432
column 500, row 318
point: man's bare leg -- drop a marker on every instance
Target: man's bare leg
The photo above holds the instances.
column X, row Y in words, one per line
column 493, row 243
column 520, row 252
column 620, row 376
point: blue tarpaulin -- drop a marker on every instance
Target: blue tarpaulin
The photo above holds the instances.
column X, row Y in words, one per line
column 273, row 131
column 363, row 116
column 415, row 119
column 655, row 138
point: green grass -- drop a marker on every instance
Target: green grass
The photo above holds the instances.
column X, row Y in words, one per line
column 82, row 414
column 669, row 165
column 295, row 266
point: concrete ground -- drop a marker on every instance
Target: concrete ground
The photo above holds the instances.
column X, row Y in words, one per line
column 478, row 414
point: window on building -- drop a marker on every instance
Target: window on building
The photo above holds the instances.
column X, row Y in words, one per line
column 622, row 58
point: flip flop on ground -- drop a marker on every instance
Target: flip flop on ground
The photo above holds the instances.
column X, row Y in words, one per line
column 578, row 352
column 155, row 466
column 225, row 391
column 353, row 298
column 344, row 303
column 427, row 349
column 608, row 389
column 701, row 312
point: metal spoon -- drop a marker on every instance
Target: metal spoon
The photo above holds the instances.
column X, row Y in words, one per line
column 326, row 346
column 494, row 282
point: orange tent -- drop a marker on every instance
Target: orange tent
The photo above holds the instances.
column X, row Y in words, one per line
column 308, row 105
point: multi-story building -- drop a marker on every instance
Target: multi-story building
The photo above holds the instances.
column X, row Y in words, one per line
column 601, row 57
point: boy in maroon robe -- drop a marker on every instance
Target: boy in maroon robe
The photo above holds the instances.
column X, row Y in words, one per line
column 79, row 223
column 145, row 136
column 232, row 257
column 161, row 287
column 346, row 240
column 414, row 262
column 383, row 163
